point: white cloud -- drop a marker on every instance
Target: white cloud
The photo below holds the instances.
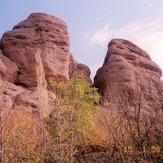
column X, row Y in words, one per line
column 147, row 36
column 100, row 17
column 100, row 36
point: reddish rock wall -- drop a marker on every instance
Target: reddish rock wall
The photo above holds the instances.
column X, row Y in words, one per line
column 39, row 32
column 126, row 67
column 44, row 32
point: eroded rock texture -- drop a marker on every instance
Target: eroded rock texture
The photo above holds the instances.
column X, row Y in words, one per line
column 127, row 67
column 18, row 98
column 39, row 32
column 8, row 69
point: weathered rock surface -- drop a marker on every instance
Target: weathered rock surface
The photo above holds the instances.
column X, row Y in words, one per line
column 8, row 68
column 75, row 67
column 126, row 67
column 47, row 36
column 16, row 97
column 3, row 69
column 39, row 32
column 9, row 93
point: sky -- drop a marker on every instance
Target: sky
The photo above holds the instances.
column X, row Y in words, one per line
column 93, row 23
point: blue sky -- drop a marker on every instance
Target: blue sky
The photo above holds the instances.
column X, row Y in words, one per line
column 93, row 23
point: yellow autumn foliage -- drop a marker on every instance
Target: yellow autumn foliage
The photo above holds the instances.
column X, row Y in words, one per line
column 21, row 138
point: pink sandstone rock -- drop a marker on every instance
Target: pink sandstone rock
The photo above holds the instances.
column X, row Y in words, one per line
column 8, row 69
column 44, row 33
column 17, row 97
column 126, row 66
column 47, row 33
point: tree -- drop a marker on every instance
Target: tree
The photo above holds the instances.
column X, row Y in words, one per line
column 22, row 139
column 72, row 116
column 134, row 125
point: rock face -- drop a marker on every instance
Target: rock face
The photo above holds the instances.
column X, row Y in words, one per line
column 125, row 67
column 46, row 34
column 17, row 97
column 125, row 64
column 8, row 69
column 40, row 34
column 75, row 67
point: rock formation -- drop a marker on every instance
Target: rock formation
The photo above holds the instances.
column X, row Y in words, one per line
column 39, row 32
column 125, row 64
column 126, row 67
column 8, row 69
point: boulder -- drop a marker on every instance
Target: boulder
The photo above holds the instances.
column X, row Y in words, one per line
column 41, row 33
column 17, row 97
column 127, row 67
column 75, row 68
column 9, row 93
